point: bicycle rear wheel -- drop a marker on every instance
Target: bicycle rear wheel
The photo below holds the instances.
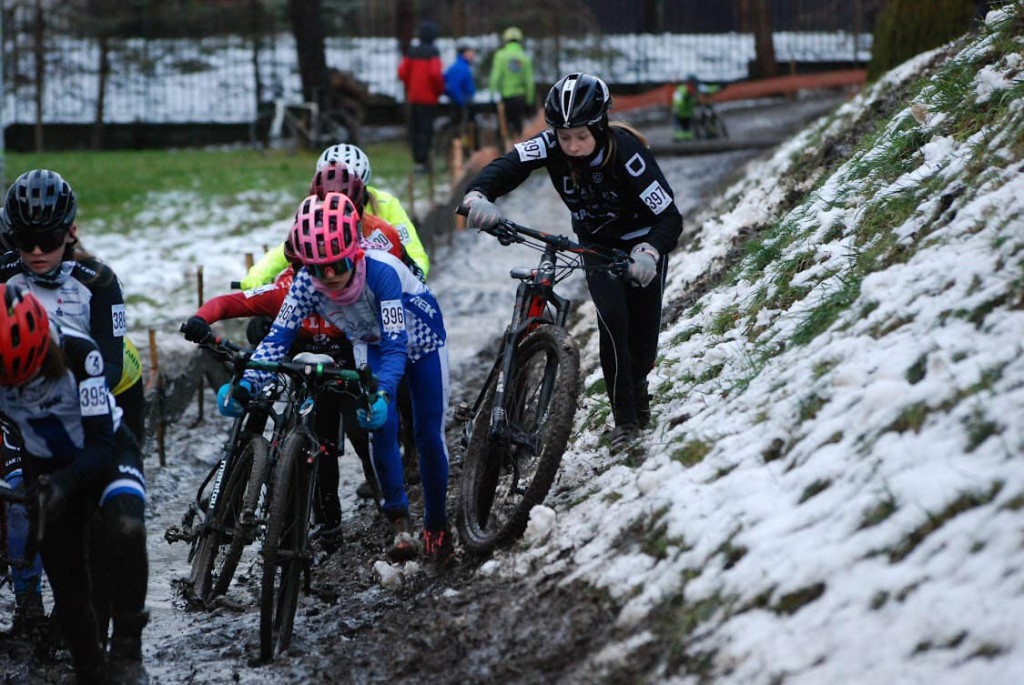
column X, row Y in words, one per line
column 220, row 525
column 284, row 545
column 503, row 479
column 246, row 522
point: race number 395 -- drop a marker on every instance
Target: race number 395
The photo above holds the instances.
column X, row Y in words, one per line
column 92, row 397
column 655, row 197
column 392, row 316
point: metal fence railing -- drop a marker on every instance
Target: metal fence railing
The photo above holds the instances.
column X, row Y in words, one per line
column 57, row 72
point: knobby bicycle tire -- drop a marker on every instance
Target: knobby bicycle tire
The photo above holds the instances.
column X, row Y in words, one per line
column 284, row 546
column 541, row 397
column 245, row 530
column 220, row 526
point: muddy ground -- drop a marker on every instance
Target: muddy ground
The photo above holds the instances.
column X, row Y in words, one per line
column 366, row 621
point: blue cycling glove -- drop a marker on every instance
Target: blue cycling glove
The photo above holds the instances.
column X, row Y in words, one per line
column 232, row 400
column 378, row 413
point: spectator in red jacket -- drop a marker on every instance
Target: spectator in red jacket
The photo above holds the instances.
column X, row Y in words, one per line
column 420, row 71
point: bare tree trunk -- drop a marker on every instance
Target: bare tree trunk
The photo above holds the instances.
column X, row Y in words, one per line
column 307, row 28
column 96, row 139
column 654, row 16
column 403, row 24
column 764, row 46
column 40, row 75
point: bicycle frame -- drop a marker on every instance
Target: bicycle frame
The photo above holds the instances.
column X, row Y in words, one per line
column 534, row 296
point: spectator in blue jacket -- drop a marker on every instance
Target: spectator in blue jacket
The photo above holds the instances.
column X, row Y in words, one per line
column 459, row 86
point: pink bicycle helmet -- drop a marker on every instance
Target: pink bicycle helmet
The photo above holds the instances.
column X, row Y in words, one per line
column 339, row 178
column 326, row 234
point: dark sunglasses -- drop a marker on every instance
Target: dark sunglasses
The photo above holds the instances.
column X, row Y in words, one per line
column 336, row 268
column 47, row 241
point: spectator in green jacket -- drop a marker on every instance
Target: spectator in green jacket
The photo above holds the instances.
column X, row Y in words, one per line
column 512, row 79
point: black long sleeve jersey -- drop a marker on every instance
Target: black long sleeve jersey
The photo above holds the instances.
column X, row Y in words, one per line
column 618, row 202
column 70, row 420
column 86, row 296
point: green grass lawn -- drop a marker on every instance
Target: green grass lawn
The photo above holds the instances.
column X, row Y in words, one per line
column 113, row 184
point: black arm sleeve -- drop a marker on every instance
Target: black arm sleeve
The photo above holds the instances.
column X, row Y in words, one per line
column 97, row 410
column 506, row 173
column 107, row 322
column 651, row 194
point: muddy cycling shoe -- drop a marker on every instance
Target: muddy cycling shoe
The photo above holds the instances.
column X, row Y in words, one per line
column 29, row 615
column 437, row 546
column 124, row 665
column 621, row 436
column 365, row 490
column 403, row 547
column 642, row 398
column 329, row 540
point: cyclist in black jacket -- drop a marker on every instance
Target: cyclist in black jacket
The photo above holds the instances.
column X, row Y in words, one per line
column 54, row 395
column 84, row 294
column 619, row 198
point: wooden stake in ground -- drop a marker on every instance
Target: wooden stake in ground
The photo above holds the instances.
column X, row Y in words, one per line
column 502, row 127
column 157, row 383
column 200, row 384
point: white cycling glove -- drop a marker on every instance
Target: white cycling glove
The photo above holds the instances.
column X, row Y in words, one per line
column 482, row 212
column 643, row 264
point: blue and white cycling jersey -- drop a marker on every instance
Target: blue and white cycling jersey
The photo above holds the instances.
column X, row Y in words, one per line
column 396, row 311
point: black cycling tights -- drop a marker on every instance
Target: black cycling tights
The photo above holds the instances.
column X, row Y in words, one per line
column 118, row 560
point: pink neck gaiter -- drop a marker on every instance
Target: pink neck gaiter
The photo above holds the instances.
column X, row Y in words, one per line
column 351, row 292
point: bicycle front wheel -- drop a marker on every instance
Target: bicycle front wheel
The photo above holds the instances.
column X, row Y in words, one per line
column 207, row 568
column 244, row 533
column 284, row 545
column 504, row 478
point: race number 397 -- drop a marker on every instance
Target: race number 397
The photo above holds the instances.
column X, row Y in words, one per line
column 656, row 197
column 530, row 150
column 392, row 316
column 92, row 397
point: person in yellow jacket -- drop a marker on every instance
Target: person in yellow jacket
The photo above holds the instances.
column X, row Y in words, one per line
column 512, row 79
column 379, row 203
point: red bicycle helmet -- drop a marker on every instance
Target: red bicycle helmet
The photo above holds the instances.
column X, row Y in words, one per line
column 337, row 177
column 24, row 335
column 326, row 232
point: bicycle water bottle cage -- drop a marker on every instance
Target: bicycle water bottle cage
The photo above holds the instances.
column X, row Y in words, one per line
column 522, row 273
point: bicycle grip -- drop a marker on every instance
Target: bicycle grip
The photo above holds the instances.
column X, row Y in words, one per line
column 462, row 210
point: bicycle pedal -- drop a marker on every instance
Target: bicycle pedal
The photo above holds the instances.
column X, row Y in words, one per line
column 174, row 534
column 462, row 413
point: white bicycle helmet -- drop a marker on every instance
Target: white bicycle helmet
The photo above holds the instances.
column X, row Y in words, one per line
column 349, row 155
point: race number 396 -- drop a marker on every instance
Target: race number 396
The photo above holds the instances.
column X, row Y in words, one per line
column 392, row 316
column 656, row 197
column 92, row 397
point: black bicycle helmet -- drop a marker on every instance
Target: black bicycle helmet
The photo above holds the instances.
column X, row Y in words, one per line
column 39, row 200
column 578, row 100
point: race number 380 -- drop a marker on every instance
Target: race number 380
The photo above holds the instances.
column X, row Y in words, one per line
column 92, row 397
column 392, row 316
column 655, row 197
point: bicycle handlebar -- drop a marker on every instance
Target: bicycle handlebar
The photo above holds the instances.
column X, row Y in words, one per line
column 508, row 232
column 227, row 350
column 236, row 285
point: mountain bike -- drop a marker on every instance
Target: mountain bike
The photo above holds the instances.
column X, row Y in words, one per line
column 706, row 122
column 226, row 501
column 286, row 552
column 520, row 423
